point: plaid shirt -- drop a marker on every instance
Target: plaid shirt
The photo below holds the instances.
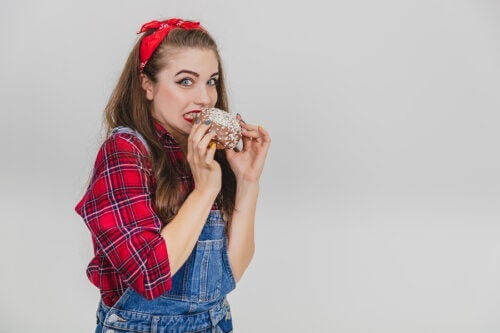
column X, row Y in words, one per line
column 119, row 210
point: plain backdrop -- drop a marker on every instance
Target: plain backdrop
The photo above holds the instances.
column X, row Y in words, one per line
column 380, row 201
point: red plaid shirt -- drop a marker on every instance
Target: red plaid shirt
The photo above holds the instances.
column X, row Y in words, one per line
column 119, row 210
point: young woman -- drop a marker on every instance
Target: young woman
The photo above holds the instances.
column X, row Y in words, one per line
column 158, row 183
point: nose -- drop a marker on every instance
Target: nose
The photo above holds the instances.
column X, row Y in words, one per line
column 202, row 97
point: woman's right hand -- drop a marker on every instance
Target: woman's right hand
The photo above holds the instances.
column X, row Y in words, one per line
column 206, row 170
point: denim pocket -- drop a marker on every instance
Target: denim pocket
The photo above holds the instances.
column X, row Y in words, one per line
column 208, row 267
column 227, row 266
column 200, row 278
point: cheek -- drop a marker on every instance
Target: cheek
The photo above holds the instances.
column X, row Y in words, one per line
column 213, row 96
column 172, row 97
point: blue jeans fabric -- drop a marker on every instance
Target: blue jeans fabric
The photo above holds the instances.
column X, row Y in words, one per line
column 197, row 301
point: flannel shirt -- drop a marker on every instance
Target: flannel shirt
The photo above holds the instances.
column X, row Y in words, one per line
column 119, row 210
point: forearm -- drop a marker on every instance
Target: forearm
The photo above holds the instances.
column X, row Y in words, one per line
column 241, row 242
column 184, row 230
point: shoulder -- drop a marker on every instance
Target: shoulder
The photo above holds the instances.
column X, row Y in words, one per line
column 127, row 142
column 122, row 148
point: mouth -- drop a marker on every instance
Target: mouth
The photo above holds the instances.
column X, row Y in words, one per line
column 191, row 115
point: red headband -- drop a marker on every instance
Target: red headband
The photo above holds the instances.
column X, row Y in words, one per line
column 151, row 42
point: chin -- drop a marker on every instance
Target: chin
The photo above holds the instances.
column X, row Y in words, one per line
column 188, row 129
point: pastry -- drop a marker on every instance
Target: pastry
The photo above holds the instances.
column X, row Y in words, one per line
column 227, row 127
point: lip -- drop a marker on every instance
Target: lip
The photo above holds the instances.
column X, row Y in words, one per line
column 197, row 111
column 191, row 120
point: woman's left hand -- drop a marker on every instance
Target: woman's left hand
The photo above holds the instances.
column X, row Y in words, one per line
column 248, row 163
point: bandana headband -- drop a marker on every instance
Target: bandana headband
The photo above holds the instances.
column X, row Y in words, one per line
column 151, row 42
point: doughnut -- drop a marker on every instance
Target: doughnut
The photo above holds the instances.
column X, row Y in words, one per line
column 227, row 127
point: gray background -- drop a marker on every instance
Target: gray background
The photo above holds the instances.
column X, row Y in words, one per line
column 379, row 205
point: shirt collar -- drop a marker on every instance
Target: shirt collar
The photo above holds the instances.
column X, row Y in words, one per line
column 165, row 137
column 173, row 150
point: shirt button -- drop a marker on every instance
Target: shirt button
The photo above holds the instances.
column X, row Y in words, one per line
column 112, row 318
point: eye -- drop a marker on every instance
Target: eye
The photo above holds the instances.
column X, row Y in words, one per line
column 215, row 80
column 185, row 79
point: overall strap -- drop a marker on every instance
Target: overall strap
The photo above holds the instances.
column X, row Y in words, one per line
column 124, row 129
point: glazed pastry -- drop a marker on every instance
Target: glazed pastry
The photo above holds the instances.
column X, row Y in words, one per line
column 227, row 127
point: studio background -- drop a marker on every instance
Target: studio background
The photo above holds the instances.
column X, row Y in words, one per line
column 380, row 201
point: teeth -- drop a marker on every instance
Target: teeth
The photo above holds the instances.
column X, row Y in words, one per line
column 191, row 115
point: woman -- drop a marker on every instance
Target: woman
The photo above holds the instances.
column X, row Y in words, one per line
column 159, row 183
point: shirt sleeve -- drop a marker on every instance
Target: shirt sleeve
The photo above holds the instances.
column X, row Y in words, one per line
column 117, row 209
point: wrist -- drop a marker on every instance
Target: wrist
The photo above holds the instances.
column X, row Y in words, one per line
column 245, row 186
column 205, row 194
column 247, row 182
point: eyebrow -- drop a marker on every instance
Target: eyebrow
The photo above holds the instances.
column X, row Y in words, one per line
column 193, row 73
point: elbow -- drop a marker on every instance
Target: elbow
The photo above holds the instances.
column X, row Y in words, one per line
column 154, row 279
column 151, row 292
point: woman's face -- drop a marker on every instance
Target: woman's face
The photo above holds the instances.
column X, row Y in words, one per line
column 186, row 83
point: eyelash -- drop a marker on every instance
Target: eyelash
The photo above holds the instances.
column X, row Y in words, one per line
column 186, row 78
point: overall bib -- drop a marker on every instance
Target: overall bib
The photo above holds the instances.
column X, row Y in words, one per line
column 197, row 301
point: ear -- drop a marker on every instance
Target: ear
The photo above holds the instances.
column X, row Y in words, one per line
column 147, row 85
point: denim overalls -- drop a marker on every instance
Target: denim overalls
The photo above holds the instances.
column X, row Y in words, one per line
column 197, row 301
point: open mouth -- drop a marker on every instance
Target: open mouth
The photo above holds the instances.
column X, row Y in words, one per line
column 191, row 116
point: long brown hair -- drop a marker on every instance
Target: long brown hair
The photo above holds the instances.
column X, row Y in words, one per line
column 128, row 106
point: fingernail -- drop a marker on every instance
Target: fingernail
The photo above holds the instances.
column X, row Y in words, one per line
column 197, row 121
column 207, row 122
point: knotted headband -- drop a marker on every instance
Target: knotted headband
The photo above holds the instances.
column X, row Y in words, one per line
column 150, row 43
